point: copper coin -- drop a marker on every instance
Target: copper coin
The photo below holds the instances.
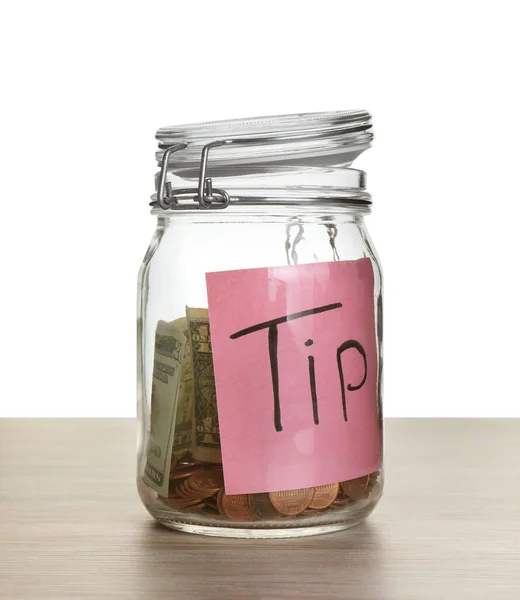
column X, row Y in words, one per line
column 182, row 504
column 262, row 507
column 184, row 472
column 182, row 490
column 202, row 484
column 191, row 495
column 291, row 502
column 186, row 491
column 355, row 488
column 236, row 507
column 324, row 495
column 207, row 480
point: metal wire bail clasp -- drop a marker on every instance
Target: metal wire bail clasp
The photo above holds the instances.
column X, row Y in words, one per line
column 204, row 194
column 207, row 195
column 165, row 200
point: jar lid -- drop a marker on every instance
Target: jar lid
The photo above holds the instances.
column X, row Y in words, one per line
column 268, row 147
column 342, row 133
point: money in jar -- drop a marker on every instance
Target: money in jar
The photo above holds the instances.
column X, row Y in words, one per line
column 260, row 330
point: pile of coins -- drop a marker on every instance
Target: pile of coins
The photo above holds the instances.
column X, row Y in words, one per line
column 196, row 486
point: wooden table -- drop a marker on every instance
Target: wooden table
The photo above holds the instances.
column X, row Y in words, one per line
column 72, row 525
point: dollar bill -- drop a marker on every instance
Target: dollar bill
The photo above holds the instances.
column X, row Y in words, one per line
column 206, row 436
column 183, row 432
column 169, row 351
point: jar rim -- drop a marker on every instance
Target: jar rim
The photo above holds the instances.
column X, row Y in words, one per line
column 299, row 123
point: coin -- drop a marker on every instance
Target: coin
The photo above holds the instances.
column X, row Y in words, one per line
column 202, row 484
column 186, row 491
column 236, row 507
column 207, row 480
column 182, row 504
column 355, row 488
column 262, row 507
column 324, row 495
column 291, row 502
column 184, row 472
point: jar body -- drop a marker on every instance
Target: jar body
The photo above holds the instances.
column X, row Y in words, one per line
column 173, row 291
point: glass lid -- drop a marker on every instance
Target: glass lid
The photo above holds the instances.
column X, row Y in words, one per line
column 306, row 139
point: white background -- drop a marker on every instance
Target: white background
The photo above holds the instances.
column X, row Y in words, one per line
column 85, row 86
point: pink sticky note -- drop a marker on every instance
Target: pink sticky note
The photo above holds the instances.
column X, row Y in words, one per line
column 294, row 355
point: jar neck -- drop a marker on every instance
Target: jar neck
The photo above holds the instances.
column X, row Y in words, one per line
column 268, row 187
column 317, row 212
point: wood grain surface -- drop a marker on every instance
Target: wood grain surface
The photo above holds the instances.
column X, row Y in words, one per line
column 72, row 525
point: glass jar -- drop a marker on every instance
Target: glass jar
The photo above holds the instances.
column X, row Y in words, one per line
column 259, row 330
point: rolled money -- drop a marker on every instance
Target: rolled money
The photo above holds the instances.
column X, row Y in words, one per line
column 206, row 435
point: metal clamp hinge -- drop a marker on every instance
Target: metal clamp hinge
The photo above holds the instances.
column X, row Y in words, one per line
column 204, row 194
